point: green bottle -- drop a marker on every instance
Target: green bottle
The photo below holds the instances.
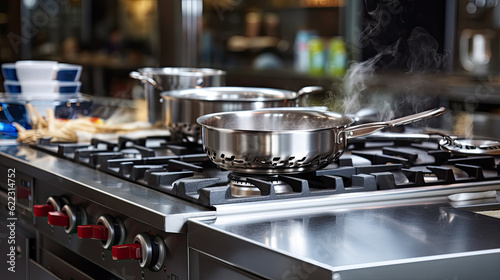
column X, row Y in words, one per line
column 337, row 58
column 316, row 56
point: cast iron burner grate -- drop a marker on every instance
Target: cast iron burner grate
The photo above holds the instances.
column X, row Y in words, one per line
column 184, row 171
column 98, row 151
column 334, row 181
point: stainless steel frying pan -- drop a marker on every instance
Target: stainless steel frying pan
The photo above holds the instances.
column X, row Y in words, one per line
column 284, row 140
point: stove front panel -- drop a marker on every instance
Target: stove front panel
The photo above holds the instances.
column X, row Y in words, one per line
column 132, row 209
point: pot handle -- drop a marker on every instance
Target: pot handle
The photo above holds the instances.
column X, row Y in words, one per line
column 309, row 90
column 369, row 128
column 136, row 75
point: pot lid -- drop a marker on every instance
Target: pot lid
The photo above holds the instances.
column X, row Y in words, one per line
column 181, row 71
column 240, row 94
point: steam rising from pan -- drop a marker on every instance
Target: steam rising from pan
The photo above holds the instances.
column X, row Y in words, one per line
column 412, row 51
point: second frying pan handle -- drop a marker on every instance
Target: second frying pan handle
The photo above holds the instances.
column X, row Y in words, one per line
column 369, row 128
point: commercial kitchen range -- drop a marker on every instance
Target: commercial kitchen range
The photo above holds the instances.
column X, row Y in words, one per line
column 396, row 205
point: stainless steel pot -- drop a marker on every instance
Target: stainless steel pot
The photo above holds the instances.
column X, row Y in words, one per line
column 286, row 140
column 184, row 106
column 156, row 80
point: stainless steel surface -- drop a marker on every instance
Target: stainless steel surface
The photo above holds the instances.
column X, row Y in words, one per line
column 184, row 106
column 151, row 207
column 436, row 194
column 170, row 78
column 403, row 237
column 284, row 141
column 473, row 196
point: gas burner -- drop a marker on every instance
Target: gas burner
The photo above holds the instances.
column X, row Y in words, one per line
column 470, row 146
column 131, row 153
column 246, row 186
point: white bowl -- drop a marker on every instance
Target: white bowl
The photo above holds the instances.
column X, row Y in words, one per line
column 33, row 70
column 38, row 71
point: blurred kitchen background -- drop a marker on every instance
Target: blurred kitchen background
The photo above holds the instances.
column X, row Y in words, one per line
column 395, row 55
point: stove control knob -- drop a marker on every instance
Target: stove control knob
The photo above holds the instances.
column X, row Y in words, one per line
column 97, row 232
column 126, row 252
column 42, row 210
column 108, row 230
column 58, row 218
column 150, row 251
column 53, row 204
column 69, row 217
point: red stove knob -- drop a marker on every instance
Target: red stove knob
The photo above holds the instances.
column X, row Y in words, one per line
column 42, row 210
column 69, row 217
column 58, row 218
column 110, row 231
column 98, row 232
column 150, row 250
column 126, row 251
column 53, row 203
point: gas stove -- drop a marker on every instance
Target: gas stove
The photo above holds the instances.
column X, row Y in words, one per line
column 166, row 205
column 380, row 162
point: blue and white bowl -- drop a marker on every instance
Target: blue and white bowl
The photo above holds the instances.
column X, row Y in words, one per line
column 68, row 72
column 42, row 89
column 12, row 87
column 40, row 71
column 9, row 71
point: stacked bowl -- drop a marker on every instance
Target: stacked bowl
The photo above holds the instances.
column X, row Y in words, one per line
column 41, row 80
column 43, row 84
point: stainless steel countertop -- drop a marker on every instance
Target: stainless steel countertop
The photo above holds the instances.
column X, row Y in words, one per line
column 340, row 239
column 149, row 206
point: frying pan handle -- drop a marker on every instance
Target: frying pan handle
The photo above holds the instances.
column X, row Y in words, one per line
column 369, row 128
column 136, row 75
column 309, row 90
